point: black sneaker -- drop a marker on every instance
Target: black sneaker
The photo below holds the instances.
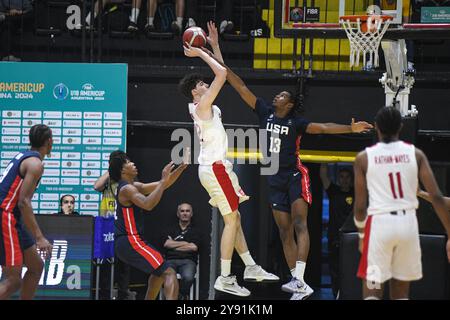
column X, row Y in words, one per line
column 132, row 27
column 149, row 28
column 175, row 28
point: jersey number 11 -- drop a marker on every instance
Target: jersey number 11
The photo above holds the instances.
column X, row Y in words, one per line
column 399, row 185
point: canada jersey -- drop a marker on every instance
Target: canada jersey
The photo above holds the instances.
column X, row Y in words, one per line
column 212, row 136
column 391, row 177
column 11, row 182
column 284, row 134
column 130, row 220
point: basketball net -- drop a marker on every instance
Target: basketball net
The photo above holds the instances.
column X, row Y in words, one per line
column 365, row 33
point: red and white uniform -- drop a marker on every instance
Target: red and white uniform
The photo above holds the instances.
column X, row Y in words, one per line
column 391, row 242
column 214, row 170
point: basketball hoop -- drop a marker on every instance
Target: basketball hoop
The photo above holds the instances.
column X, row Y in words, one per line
column 364, row 33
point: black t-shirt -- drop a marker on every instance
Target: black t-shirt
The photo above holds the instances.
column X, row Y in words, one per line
column 284, row 134
column 341, row 205
column 190, row 234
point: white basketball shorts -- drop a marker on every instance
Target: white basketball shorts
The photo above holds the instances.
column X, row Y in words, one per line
column 222, row 185
column 391, row 248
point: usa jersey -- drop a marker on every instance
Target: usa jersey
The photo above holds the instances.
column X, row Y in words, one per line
column 391, row 177
column 212, row 136
column 284, row 134
column 130, row 220
column 11, row 182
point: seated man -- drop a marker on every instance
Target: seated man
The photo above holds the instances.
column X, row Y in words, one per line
column 181, row 243
column 67, row 205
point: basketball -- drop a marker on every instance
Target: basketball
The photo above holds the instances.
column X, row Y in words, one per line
column 195, row 36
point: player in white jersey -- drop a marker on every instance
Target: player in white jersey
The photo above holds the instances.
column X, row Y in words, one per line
column 386, row 176
column 216, row 173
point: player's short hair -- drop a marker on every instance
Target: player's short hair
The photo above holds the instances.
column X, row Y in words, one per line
column 116, row 162
column 389, row 121
column 188, row 83
column 39, row 134
column 297, row 100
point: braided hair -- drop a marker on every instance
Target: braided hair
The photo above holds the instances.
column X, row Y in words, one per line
column 298, row 100
column 39, row 134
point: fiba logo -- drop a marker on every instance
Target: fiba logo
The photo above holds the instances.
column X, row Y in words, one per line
column 296, row 14
column 88, row 86
column 60, row 91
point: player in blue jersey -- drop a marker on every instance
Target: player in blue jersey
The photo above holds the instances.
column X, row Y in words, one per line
column 17, row 247
column 289, row 189
column 131, row 197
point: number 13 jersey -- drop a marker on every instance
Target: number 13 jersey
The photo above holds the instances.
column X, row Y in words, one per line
column 391, row 177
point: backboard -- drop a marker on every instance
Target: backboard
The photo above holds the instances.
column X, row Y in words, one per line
column 320, row 19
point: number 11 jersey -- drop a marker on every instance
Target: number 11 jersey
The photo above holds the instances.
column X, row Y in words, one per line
column 391, row 177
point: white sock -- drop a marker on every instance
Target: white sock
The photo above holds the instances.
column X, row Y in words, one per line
column 293, row 272
column 371, row 298
column 150, row 21
column 134, row 15
column 88, row 19
column 247, row 258
column 300, row 267
column 225, row 267
column 180, row 22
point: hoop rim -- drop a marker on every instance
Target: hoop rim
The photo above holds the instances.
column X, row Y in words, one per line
column 364, row 17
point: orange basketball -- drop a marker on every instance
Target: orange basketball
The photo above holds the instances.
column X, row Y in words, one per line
column 195, row 36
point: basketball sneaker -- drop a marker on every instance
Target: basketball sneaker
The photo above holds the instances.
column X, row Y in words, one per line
column 229, row 285
column 297, row 286
column 257, row 273
column 300, row 296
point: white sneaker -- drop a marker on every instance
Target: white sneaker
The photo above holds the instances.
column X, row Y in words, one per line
column 297, row 286
column 230, row 285
column 257, row 273
column 190, row 23
column 299, row 296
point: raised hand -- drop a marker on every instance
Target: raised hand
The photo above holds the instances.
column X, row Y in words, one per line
column 166, row 172
column 213, row 35
column 360, row 126
column 190, row 51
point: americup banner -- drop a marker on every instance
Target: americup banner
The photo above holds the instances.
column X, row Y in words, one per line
column 84, row 104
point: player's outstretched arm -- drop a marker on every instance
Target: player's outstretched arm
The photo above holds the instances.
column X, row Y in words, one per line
column 32, row 171
column 426, row 176
column 203, row 109
column 147, row 188
column 239, row 85
column 213, row 40
column 131, row 194
column 235, row 81
column 426, row 196
column 361, row 195
column 334, row 128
